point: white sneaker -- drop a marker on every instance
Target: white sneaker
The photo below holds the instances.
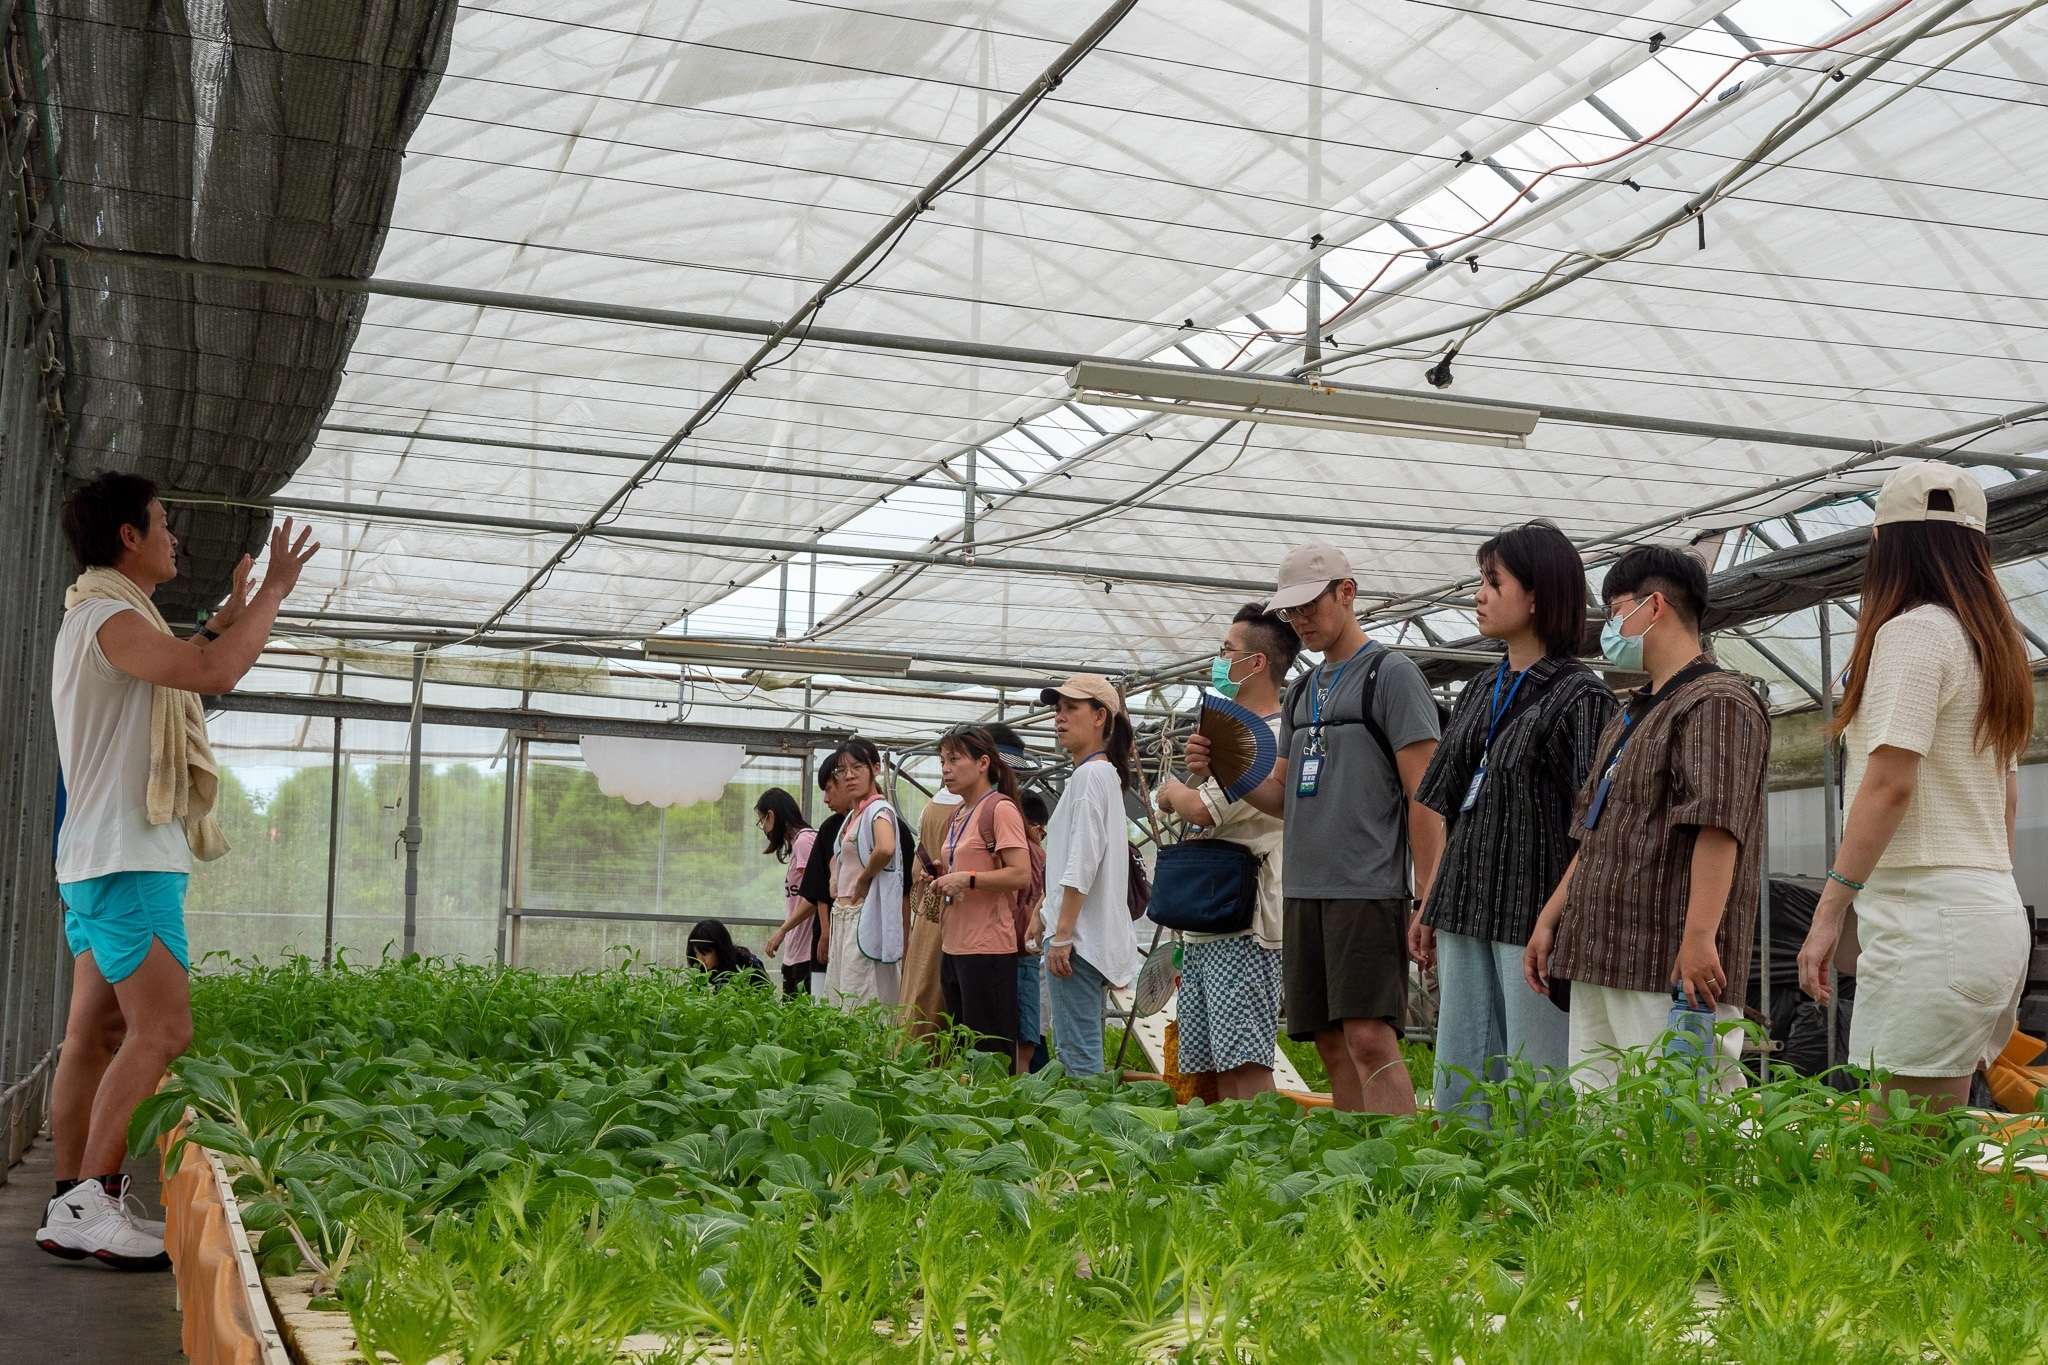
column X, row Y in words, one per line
column 135, row 1207
column 86, row 1222
column 129, row 1201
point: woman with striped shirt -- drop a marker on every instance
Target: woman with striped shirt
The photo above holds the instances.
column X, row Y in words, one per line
column 1516, row 751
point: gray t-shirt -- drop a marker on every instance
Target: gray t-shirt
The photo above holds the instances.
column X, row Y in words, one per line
column 1344, row 843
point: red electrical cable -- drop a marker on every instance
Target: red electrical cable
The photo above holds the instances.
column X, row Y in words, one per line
column 1434, row 248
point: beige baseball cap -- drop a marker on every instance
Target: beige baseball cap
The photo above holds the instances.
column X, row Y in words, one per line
column 1086, row 687
column 1305, row 573
column 1905, row 496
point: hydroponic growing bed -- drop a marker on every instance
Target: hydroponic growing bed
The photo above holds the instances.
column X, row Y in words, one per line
column 476, row 1165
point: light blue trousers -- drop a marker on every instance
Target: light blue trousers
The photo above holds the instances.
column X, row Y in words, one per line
column 1077, row 1002
column 1486, row 1014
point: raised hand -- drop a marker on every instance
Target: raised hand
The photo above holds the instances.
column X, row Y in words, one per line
column 238, row 598
column 289, row 556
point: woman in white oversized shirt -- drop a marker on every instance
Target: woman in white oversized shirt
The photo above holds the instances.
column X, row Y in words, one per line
column 1089, row 945
column 1937, row 710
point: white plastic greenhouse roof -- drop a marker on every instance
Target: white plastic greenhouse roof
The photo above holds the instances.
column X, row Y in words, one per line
column 1878, row 279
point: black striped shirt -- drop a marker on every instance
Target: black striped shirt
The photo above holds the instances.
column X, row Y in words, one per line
column 1504, row 856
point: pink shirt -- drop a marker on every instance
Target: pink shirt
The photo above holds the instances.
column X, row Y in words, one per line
column 797, row 945
column 981, row 921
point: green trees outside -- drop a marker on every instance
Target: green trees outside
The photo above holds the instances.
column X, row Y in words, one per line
column 584, row 851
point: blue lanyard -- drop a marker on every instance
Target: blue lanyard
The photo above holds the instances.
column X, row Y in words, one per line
column 1318, row 698
column 1628, row 720
column 1498, row 708
column 959, row 827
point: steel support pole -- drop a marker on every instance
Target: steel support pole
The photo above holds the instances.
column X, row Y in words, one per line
column 334, row 818
column 1763, row 694
column 782, row 602
column 1312, row 324
column 413, row 834
column 514, row 746
column 967, row 509
column 1830, row 791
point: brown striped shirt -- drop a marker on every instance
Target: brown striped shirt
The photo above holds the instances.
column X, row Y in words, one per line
column 1697, row 760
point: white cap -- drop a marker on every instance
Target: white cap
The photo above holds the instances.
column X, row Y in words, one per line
column 1305, row 573
column 1906, row 496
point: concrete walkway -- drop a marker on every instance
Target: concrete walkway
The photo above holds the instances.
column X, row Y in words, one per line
column 55, row 1312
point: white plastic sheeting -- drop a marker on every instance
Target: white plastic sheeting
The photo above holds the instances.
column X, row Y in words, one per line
column 661, row 773
column 1882, row 286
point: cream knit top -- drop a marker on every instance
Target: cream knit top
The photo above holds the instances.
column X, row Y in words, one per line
column 1922, row 695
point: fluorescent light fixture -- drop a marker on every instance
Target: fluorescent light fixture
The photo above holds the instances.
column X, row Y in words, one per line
column 1287, row 402
column 799, row 659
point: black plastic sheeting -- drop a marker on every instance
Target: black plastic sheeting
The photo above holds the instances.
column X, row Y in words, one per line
column 243, row 132
column 1806, row 575
column 1802, row 576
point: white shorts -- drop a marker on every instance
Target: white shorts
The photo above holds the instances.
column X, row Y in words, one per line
column 1944, row 958
column 852, row 978
column 1606, row 1023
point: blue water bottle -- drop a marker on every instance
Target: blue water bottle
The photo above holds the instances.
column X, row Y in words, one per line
column 1690, row 1037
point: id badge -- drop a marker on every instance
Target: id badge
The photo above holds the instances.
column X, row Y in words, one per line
column 1472, row 792
column 1311, row 775
column 1599, row 801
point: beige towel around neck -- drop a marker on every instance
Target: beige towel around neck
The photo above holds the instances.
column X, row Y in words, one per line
column 184, row 781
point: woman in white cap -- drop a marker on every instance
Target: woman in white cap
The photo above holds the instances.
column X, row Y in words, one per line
column 1938, row 707
column 1089, row 946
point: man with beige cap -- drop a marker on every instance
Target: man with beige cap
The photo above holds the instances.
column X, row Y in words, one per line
column 1356, row 735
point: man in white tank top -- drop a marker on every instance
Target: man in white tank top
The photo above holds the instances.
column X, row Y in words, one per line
column 139, row 787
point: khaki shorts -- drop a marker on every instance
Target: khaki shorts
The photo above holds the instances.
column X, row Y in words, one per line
column 1344, row 959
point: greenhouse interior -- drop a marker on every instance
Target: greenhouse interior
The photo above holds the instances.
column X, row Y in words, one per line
column 894, row 407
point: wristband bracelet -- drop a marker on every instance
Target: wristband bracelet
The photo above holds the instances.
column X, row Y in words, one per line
column 1060, row 942
column 1835, row 876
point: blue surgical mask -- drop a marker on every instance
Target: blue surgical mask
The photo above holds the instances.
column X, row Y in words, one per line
column 1220, row 679
column 1623, row 651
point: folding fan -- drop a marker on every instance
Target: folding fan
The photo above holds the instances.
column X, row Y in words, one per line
column 1241, row 746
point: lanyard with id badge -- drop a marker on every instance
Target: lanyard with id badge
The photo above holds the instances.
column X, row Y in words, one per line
column 1311, row 775
column 1495, row 710
column 1630, row 718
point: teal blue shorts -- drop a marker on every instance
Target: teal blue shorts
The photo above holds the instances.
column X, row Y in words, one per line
column 114, row 917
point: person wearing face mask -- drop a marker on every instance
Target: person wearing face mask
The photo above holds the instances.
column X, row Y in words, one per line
column 1516, row 751
column 1659, row 905
column 1356, row 735
column 1230, row 983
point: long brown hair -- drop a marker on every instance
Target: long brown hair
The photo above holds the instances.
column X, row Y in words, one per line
column 1918, row 563
column 976, row 742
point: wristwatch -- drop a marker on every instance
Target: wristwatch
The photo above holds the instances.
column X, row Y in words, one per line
column 207, row 631
column 970, row 881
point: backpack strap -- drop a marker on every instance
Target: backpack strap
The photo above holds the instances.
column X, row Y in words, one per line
column 1368, row 688
column 985, row 825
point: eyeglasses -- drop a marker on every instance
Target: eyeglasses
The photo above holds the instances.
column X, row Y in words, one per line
column 1292, row 614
